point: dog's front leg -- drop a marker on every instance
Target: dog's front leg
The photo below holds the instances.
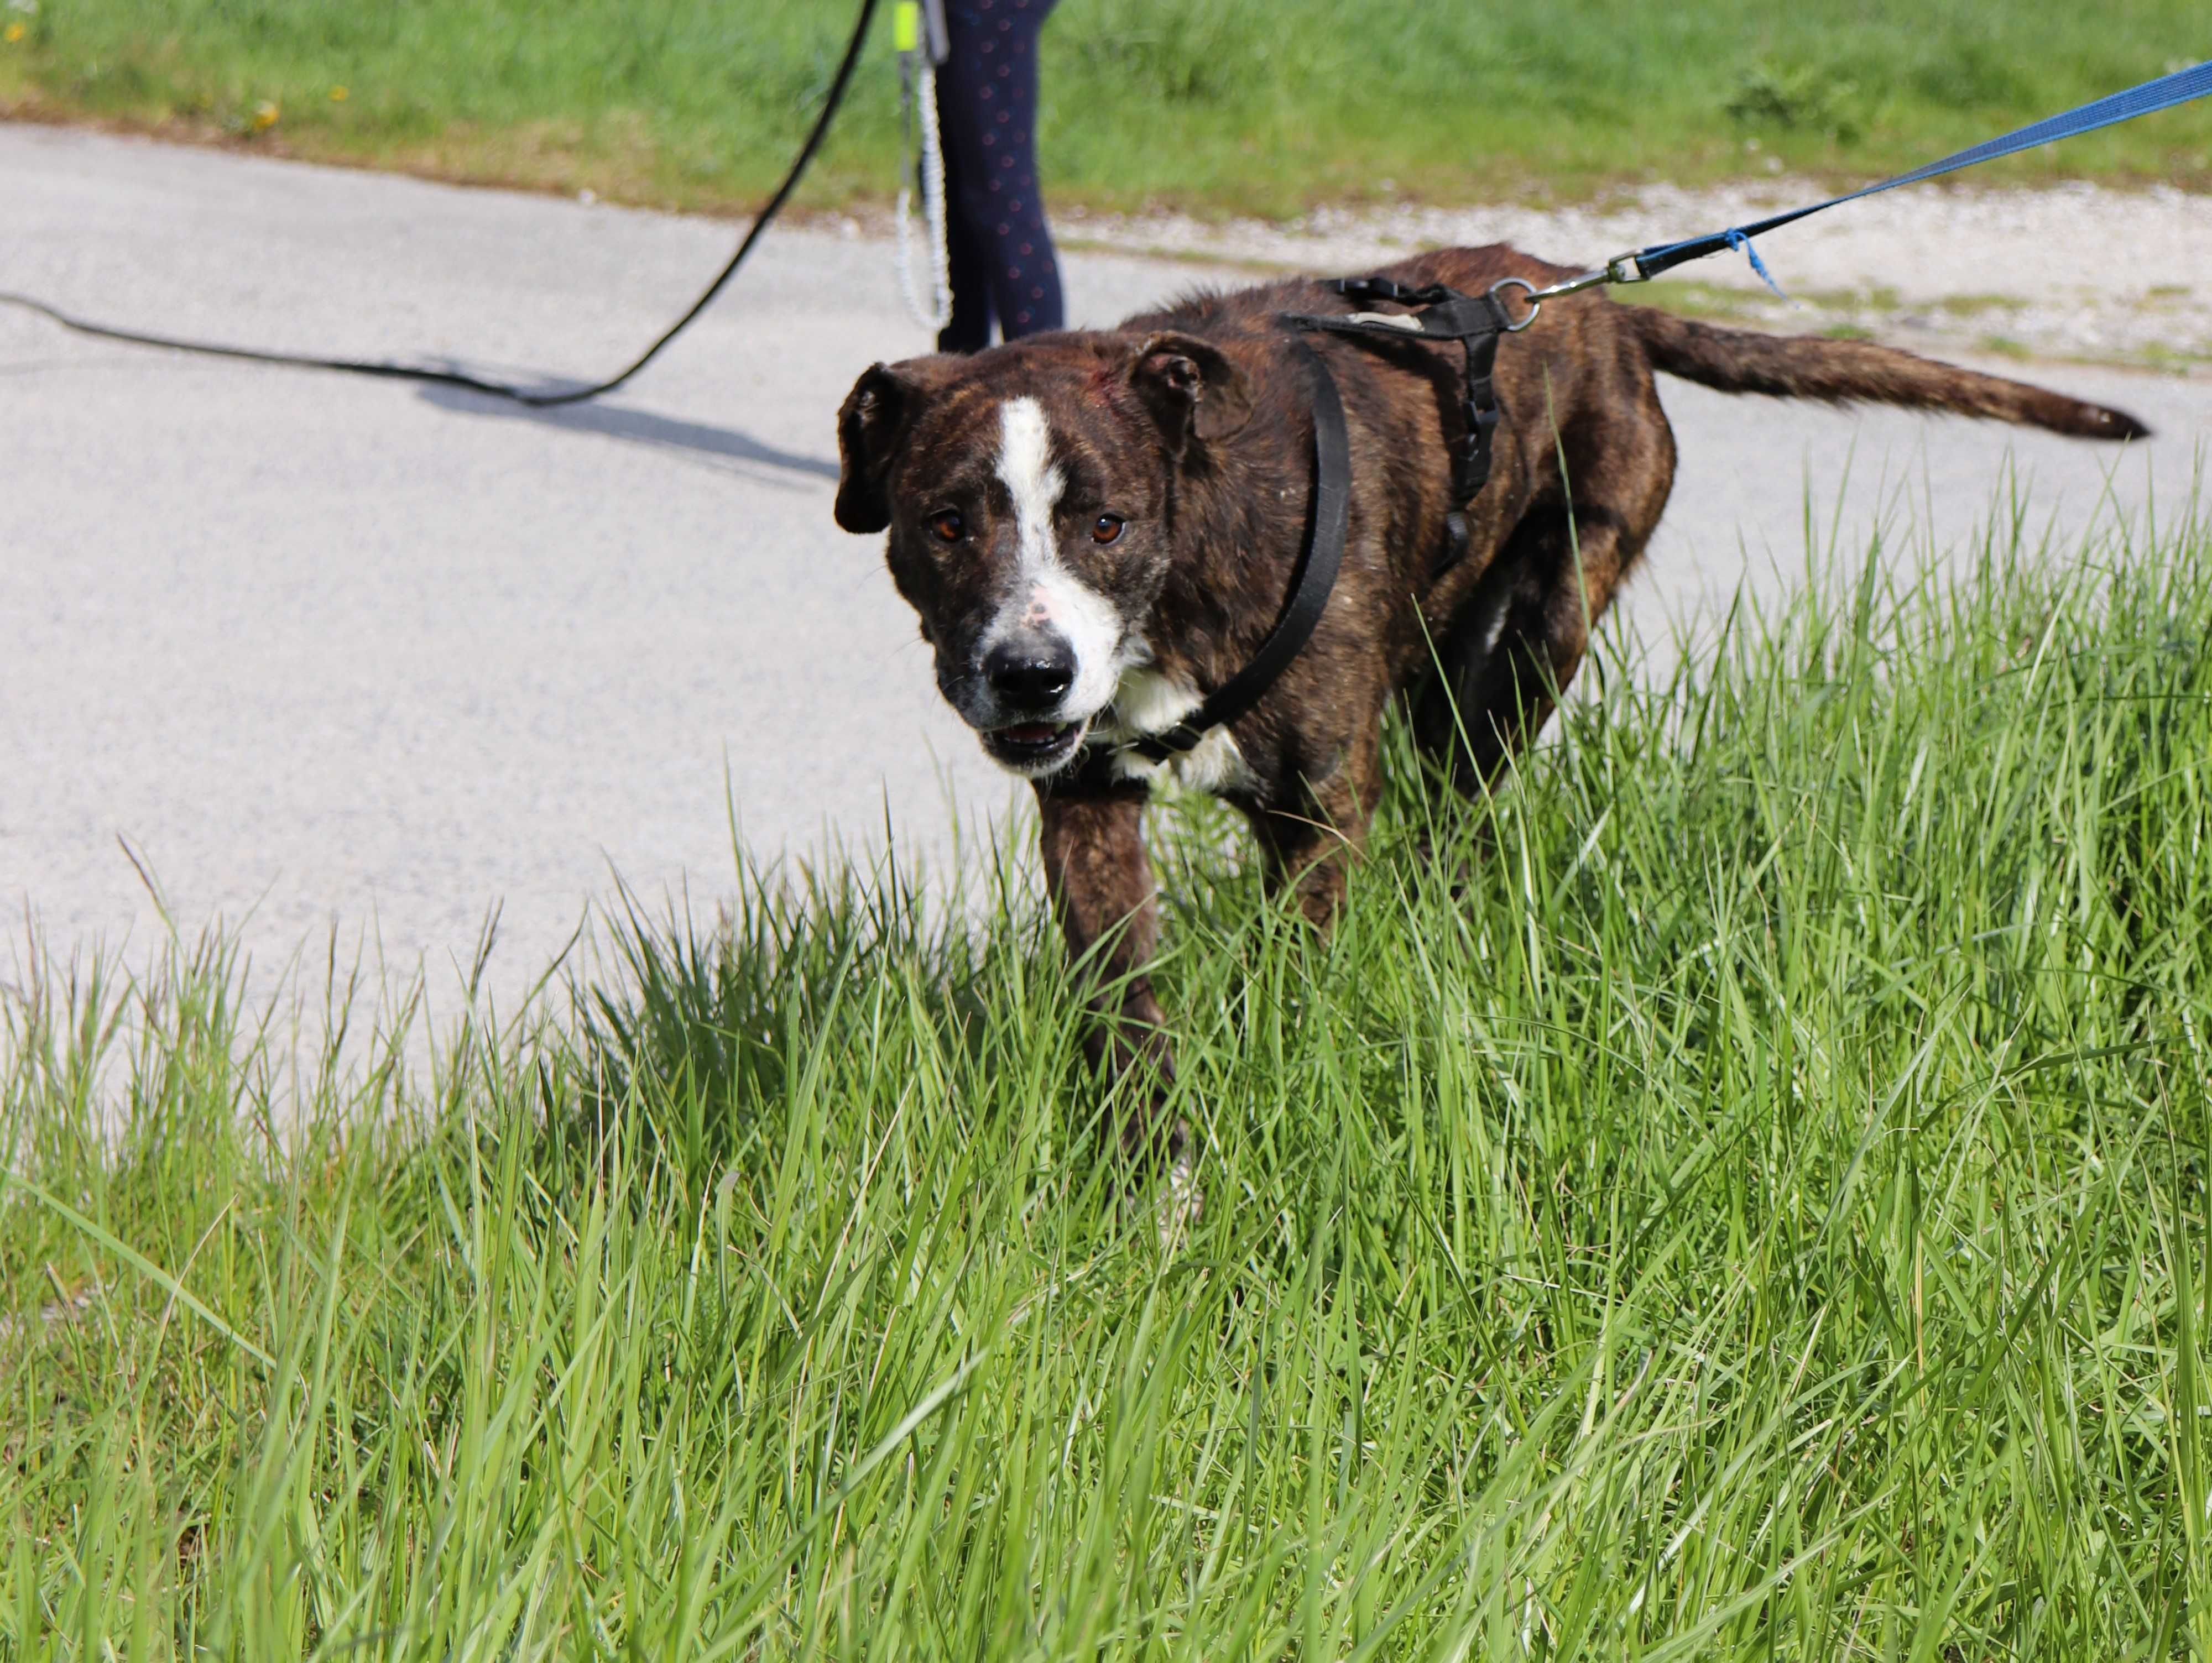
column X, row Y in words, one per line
column 1102, row 887
column 1309, row 846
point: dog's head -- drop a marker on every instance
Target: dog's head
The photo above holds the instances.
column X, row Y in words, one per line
column 1027, row 490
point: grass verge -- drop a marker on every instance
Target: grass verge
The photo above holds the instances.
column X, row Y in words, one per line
column 1213, row 105
column 1748, row 1199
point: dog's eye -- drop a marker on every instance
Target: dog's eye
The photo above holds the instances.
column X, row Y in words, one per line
column 1106, row 528
column 948, row 526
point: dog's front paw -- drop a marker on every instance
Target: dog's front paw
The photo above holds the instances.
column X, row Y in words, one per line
column 1182, row 1199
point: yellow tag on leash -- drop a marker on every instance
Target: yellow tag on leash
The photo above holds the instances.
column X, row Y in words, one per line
column 905, row 26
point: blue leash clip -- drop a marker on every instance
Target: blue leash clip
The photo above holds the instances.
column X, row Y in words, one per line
column 1737, row 239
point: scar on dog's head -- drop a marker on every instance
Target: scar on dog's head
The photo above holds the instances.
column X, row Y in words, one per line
column 1192, row 389
column 1189, row 387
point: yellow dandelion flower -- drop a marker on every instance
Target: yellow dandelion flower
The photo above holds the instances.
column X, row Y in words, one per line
column 265, row 116
column 339, row 94
column 13, row 33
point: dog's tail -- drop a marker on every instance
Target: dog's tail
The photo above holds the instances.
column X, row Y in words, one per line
column 1842, row 371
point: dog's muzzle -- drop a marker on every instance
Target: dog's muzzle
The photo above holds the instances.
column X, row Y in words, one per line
column 1028, row 676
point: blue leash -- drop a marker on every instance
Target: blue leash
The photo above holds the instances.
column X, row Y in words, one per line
column 1644, row 264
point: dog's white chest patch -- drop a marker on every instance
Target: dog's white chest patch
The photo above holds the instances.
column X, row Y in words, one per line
column 1149, row 702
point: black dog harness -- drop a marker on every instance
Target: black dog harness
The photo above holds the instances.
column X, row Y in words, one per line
column 1475, row 321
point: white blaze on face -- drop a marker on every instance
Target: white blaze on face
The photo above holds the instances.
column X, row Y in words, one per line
column 1045, row 594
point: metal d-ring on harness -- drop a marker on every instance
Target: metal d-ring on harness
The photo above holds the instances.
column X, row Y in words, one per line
column 1475, row 321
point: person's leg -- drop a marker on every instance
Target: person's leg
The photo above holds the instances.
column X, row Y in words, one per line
column 1025, row 276
column 986, row 112
column 968, row 255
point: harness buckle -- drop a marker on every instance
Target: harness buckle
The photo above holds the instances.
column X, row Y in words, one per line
column 1386, row 288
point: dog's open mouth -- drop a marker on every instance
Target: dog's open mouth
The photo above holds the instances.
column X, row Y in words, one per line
column 1033, row 747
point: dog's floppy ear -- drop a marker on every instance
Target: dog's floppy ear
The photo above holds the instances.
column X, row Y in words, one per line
column 872, row 425
column 1192, row 388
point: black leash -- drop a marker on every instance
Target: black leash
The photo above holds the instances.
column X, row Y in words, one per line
column 537, row 399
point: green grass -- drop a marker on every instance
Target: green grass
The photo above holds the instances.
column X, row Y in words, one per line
column 1748, row 1200
column 1209, row 103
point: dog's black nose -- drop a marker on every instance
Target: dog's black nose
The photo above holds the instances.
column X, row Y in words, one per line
column 1029, row 672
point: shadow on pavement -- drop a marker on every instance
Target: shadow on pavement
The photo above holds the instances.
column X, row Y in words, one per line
column 640, row 427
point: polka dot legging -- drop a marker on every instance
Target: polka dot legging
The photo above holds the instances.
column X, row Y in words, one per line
column 1000, row 253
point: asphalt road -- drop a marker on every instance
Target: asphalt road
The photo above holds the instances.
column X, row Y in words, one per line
column 338, row 655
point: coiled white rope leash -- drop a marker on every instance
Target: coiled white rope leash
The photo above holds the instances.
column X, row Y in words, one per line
column 918, row 60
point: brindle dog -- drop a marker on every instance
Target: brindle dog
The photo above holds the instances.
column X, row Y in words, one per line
column 1099, row 528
